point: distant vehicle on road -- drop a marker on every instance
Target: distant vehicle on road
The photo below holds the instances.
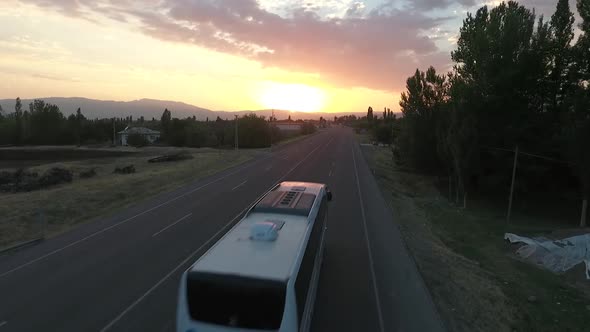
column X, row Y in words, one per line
column 263, row 274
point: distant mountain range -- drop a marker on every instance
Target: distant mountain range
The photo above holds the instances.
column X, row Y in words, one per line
column 148, row 108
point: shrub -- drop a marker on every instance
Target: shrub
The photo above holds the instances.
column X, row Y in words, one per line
column 171, row 157
column 125, row 170
column 54, row 176
column 88, row 174
column 307, row 128
column 383, row 134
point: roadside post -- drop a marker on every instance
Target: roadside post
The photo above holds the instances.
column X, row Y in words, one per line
column 512, row 185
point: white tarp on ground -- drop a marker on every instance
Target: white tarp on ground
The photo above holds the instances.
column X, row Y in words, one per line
column 555, row 255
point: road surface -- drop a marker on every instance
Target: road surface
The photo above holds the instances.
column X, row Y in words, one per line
column 121, row 273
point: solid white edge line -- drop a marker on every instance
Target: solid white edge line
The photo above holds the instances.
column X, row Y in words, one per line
column 239, row 185
column 172, row 224
column 51, row 253
column 371, row 262
column 149, row 291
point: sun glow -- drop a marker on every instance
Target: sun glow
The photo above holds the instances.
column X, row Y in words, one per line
column 292, row 97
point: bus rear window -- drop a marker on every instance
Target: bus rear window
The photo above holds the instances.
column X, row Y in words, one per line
column 235, row 301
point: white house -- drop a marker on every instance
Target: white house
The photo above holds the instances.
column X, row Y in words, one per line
column 149, row 134
column 288, row 125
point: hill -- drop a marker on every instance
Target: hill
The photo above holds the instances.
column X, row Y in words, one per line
column 149, row 108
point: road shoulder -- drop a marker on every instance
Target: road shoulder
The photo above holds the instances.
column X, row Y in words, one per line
column 473, row 276
column 406, row 302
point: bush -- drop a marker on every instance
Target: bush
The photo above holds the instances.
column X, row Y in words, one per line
column 23, row 180
column 307, row 128
column 253, row 132
column 125, row 170
column 20, row 180
column 88, row 174
column 383, row 133
column 6, row 177
column 171, row 157
column 54, row 176
column 137, row 140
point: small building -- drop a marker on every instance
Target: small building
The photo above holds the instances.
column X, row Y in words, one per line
column 150, row 135
column 290, row 126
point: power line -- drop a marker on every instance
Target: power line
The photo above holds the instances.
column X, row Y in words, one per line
column 529, row 154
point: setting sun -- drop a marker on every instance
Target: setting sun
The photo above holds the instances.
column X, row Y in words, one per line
column 292, row 97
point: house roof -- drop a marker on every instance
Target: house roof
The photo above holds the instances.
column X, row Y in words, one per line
column 139, row 130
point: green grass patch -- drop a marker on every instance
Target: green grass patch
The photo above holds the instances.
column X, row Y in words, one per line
column 68, row 205
column 364, row 138
column 476, row 280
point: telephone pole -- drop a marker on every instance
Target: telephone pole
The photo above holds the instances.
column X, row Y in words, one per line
column 512, row 185
column 271, row 119
column 236, row 132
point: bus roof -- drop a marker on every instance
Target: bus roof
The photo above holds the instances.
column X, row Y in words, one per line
column 236, row 253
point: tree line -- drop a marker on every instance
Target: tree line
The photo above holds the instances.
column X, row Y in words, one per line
column 384, row 127
column 44, row 124
column 517, row 81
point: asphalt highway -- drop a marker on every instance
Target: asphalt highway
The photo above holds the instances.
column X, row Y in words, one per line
column 121, row 273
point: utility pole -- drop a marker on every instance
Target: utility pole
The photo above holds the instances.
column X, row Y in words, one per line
column 236, row 132
column 512, row 185
column 584, row 211
column 114, row 132
column 271, row 119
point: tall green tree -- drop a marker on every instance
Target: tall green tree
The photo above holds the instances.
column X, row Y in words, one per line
column 459, row 138
column 165, row 122
column 78, row 126
column 493, row 57
column 18, row 116
column 577, row 125
column 422, row 103
column 46, row 122
column 562, row 33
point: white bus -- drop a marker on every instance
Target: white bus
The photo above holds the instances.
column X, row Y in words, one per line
column 262, row 275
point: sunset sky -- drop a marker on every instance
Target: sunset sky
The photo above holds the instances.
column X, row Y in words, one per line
column 327, row 55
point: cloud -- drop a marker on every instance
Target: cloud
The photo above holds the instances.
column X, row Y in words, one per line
column 26, row 47
column 440, row 4
column 54, row 77
column 356, row 9
column 377, row 50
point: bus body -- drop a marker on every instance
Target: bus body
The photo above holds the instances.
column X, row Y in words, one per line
column 262, row 275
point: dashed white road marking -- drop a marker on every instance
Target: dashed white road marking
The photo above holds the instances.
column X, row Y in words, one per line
column 184, row 261
column 239, row 185
column 172, row 224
